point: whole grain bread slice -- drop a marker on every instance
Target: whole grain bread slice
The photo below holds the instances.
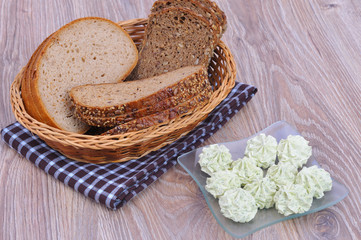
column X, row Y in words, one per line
column 172, row 102
column 148, row 110
column 193, row 5
column 174, row 38
column 87, row 50
column 104, row 100
column 164, row 117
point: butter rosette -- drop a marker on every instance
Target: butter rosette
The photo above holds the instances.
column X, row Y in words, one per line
column 263, row 192
column 215, row 158
column 222, row 181
column 315, row 180
column 292, row 199
column 238, row 205
column 294, row 149
column 247, row 170
column 263, row 149
column 282, row 174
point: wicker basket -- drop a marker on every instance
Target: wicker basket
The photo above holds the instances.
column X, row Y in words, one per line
column 127, row 146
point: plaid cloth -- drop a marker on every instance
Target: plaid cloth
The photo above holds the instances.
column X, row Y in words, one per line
column 114, row 184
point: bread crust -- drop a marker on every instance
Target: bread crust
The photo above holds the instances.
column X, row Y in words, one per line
column 27, row 92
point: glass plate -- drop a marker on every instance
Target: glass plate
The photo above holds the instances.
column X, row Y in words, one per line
column 265, row 217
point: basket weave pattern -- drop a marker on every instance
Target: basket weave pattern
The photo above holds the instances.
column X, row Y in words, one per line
column 127, row 146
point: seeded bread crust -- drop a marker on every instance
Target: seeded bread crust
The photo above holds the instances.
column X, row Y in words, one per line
column 175, row 37
column 163, row 117
column 32, row 99
column 193, row 5
column 219, row 13
column 161, row 106
column 182, row 87
column 147, row 110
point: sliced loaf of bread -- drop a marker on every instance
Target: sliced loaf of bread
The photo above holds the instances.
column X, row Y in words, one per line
column 87, row 50
column 174, row 38
column 163, row 117
column 177, row 102
column 105, row 100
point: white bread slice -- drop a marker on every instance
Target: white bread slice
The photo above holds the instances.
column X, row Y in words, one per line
column 86, row 51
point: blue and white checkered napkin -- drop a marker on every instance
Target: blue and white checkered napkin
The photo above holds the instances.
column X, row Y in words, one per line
column 114, row 184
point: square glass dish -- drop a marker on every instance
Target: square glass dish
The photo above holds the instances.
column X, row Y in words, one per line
column 264, row 217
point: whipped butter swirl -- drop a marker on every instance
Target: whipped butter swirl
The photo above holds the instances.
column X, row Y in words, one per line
column 315, row 180
column 263, row 192
column 294, row 149
column 215, row 158
column 238, row 205
column 247, row 170
column 222, row 181
column 282, row 174
column 292, row 198
column 263, row 149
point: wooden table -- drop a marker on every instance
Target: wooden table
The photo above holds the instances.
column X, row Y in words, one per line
column 305, row 59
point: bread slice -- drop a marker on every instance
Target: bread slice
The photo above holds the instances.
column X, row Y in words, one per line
column 172, row 102
column 174, row 38
column 87, row 50
column 194, row 5
column 157, row 107
column 163, row 117
column 104, row 100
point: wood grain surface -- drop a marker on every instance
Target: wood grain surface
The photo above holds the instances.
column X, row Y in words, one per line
column 303, row 55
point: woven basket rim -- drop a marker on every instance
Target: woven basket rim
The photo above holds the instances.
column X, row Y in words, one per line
column 98, row 142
